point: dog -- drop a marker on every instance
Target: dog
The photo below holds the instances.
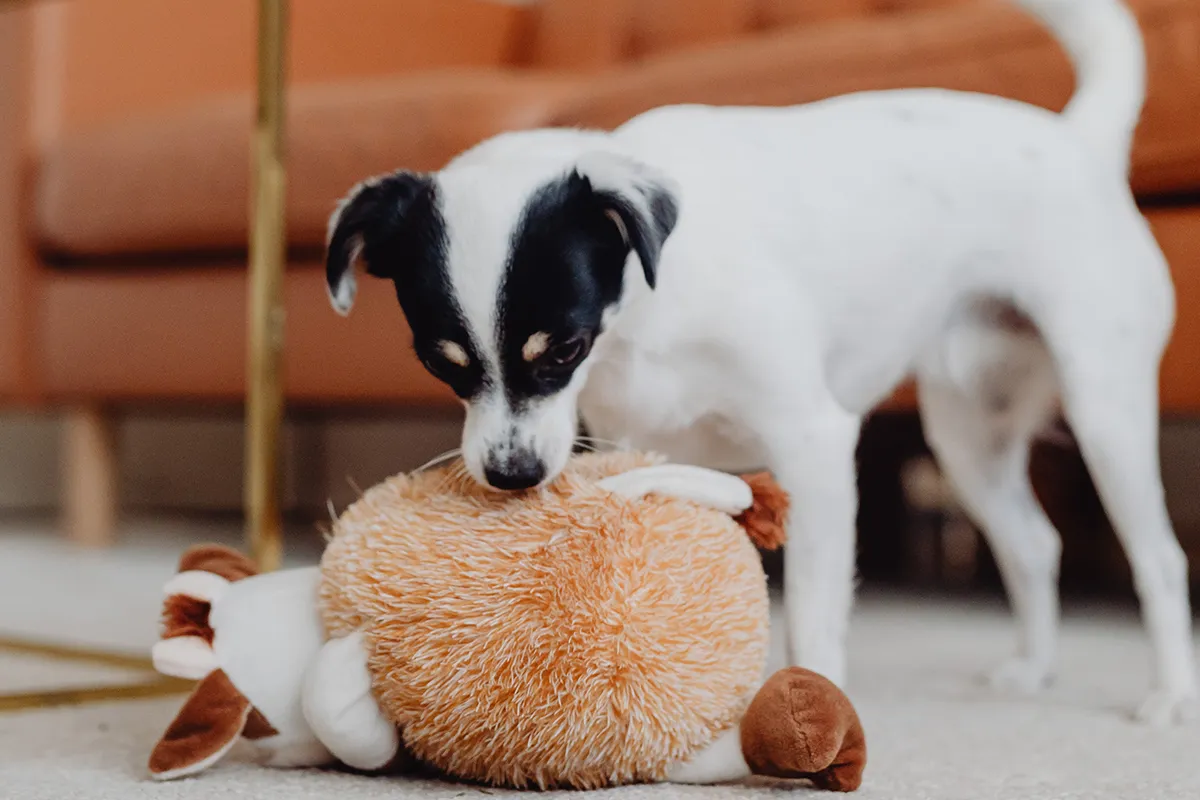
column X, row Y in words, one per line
column 738, row 287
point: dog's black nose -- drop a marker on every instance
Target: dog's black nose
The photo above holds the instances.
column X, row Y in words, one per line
column 522, row 471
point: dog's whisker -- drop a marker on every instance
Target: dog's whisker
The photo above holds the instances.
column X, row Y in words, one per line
column 454, row 473
column 439, row 459
column 596, row 442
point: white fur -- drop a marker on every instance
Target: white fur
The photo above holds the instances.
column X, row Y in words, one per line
column 546, row 426
column 825, row 252
column 1110, row 71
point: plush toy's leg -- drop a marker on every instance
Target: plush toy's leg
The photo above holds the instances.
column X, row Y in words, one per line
column 295, row 749
column 205, row 728
column 800, row 725
column 296, row 754
column 341, row 709
column 708, row 487
column 721, row 761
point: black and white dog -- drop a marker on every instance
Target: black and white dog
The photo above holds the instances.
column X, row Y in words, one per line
column 738, row 287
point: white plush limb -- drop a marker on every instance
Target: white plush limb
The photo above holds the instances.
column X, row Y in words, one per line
column 197, row 584
column 188, row 657
column 290, row 755
column 341, row 709
column 708, row 487
column 720, row 762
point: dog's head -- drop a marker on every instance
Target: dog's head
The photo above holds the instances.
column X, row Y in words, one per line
column 508, row 272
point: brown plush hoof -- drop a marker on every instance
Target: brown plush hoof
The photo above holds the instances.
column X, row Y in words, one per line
column 801, row 725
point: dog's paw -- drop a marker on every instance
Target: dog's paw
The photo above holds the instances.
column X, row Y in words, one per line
column 1019, row 676
column 1165, row 707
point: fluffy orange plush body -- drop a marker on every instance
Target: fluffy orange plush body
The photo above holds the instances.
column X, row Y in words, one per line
column 566, row 637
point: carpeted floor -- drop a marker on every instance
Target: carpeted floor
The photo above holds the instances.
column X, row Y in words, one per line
column 933, row 732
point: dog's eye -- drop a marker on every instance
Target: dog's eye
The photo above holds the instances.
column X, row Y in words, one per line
column 567, row 353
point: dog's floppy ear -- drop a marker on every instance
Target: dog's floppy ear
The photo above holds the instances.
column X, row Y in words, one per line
column 642, row 202
column 366, row 218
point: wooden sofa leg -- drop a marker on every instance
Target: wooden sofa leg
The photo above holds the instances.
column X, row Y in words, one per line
column 90, row 477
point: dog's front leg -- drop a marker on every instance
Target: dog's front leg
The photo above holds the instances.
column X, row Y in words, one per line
column 812, row 456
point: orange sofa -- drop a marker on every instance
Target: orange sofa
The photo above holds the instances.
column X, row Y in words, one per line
column 124, row 144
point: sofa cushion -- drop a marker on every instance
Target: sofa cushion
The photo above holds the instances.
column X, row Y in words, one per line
column 103, row 60
column 992, row 48
column 776, row 13
column 586, row 34
column 178, row 181
column 185, row 331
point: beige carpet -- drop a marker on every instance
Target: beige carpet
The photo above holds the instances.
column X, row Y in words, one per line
column 933, row 733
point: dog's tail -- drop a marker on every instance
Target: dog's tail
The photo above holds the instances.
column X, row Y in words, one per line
column 1105, row 44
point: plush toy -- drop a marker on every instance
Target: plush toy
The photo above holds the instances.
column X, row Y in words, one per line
column 247, row 641
column 609, row 628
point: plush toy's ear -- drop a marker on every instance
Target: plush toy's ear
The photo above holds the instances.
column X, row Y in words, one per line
column 203, row 731
column 765, row 520
column 218, row 559
column 642, row 203
column 364, row 221
column 184, row 649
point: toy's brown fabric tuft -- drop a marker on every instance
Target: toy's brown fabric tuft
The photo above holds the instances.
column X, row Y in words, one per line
column 219, row 560
column 185, row 616
column 561, row 637
column 800, row 725
column 765, row 521
column 257, row 726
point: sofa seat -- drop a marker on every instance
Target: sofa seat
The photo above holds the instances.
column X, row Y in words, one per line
column 88, row 335
column 92, row 343
column 177, row 181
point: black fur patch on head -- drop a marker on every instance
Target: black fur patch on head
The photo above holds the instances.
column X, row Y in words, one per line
column 566, row 267
column 398, row 224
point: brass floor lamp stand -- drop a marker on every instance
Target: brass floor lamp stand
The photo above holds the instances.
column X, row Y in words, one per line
column 268, row 250
column 264, row 398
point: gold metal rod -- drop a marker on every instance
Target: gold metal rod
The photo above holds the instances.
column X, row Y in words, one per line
column 159, row 687
column 264, row 401
column 85, row 655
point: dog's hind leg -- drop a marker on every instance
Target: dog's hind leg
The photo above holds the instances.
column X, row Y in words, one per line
column 983, row 397
column 1116, row 424
column 1108, row 369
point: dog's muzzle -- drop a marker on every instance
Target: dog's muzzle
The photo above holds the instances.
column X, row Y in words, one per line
column 517, row 470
